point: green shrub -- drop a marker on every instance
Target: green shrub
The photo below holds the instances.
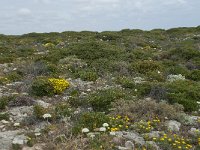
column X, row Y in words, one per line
column 91, row 121
column 39, row 111
column 4, row 116
column 185, row 93
column 63, row 110
column 146, row 66
column 194, row 75
column 86, row 75
column 155, row 76
column 3, row 103
column 42, row 87
column 101, row 100
column 125, row 82
column 14, row 76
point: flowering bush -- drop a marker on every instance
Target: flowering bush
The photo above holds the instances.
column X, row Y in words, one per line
column 59, row 85
column 48, row 86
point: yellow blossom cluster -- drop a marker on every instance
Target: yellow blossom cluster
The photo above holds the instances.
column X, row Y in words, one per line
column 174, row 141
column 59, row 85
column 119, row 123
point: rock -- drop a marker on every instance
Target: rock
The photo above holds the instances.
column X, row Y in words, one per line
column 173, row 125
column 5, row 122
column 35, row 147
column 42, row 103
column 122, row 148
column 19, row 140
column 6, row 139
column 129, row 145
column 153, row 134
column 16, row 124
column 134, row 137
column 194, row 131
column 20, row 113
column 152, row 144
column 118, row 140
column 1, row 127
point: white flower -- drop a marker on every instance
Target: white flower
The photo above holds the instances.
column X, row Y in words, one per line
column 135, row 90
column 158, row 72
column 102, row 129
column 92, row 136
column 105, row 125
column 198, row 102
column 46, row 116
column 85, row 130
column 112, row 133
column 16, row 124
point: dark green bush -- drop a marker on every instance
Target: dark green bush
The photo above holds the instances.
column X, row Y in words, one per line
column 3, row 103
column 146, row 66
column 41, row 87
column 86, row 75
column 14, row 76
column 101, row 100
column 4, row 116
column 125, row 82
column 185, row 93
column 194, row 75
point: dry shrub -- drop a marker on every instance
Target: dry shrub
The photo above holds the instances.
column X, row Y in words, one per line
column 147, row 109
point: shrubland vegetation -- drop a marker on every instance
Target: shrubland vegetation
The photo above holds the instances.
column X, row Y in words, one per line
column 139, row 80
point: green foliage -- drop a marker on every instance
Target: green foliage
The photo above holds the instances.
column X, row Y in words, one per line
column 91, row 121
column 146, row 66
column 194, row 75
column 3, row 103
column 86, row 75
column 185, row 93
column 39, row 111
column 102, row 99
column 4, row 116
column 14, row 76
column 93, row 50
column 42, row 87
column 125, row 82
column 63, row 110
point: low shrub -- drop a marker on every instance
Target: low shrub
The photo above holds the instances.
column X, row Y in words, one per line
column 4, row 116
column 91, row 121
column 147, row 109
column 48, row 86
column 42, row 87
column 194, row 75
column 14, row 76
column 4, row 101
column 102, row 99
column 184, row 92
column 146, row 66
column 86, row 75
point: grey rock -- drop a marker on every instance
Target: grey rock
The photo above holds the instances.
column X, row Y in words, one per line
column 19, row 140
column 129, row 145
column 134, row 137
column 152, row 144
column 42, row 103
column 6, row 139
column 173, row 125
column 122, row 148
column 20, row 113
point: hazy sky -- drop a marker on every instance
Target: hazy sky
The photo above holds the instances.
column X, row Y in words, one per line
column 23, row 16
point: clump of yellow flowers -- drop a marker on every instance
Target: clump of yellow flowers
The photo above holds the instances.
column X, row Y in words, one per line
column 59, row 85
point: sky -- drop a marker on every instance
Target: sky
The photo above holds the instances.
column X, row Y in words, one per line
column 25, row 16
